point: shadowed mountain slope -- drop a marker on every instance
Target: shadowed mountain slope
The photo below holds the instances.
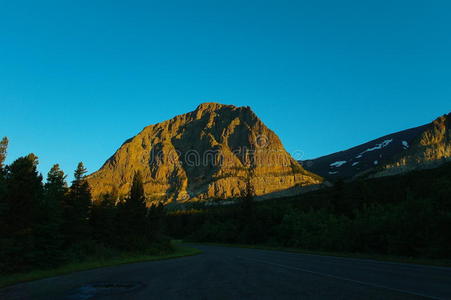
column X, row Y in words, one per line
column 421, row 147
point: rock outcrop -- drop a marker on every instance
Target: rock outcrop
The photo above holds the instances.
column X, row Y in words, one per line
column 206, row 154
column 431, row 148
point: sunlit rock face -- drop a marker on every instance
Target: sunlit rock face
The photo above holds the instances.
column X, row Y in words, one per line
column 202, row 155
column 431, row 148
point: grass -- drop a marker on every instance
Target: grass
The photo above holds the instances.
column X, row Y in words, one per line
column 378, row 257
column 126, row 258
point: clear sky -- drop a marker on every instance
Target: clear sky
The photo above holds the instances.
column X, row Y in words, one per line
column 77, row 78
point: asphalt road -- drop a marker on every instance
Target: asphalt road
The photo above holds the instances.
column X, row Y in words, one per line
column 236, row 273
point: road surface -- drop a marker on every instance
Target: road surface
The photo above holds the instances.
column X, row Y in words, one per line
column 237, row 273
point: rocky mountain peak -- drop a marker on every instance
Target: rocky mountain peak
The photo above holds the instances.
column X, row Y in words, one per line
column 211, row 106
column 205, row 154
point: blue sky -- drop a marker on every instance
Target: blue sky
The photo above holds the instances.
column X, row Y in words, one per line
column 77, row 78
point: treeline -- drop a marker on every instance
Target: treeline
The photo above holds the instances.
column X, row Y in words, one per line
column 46, row 224
column 406, row 215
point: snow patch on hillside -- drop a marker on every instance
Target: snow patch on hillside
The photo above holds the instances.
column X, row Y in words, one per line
column 338, row 164
column 377, row 147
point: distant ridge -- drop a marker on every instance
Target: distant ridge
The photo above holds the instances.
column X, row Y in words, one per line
column 421, row 147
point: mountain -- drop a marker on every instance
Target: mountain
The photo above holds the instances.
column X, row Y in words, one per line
column 210, row 153
column 416, row 148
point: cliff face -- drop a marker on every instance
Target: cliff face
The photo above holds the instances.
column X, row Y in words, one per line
column 204, row 154
column 430, row 148
column 421, row 147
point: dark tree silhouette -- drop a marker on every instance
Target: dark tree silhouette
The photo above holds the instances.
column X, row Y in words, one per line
column 248, row 226
column 49, row 237
column 3, row 206
column 3, row 148
column 103, row 220
column 136, row 205
column 247, row 200
column 42, row 226
column 155, row 215
column 132, row 221
column 24, row 192
column 78, row 208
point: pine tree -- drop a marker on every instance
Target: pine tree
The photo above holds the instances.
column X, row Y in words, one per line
column 247, row 221
column 103, row 220
column 3, row 148
column 78, row 207
column 49, row 237
column 3, row 203
column 155, row 215
column 247, row 200
column 136, row 205
column 24, row 193
column 132, row 220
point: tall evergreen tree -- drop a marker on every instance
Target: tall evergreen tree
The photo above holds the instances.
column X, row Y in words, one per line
column 49, row 238
column 136, row 205
column 132, row 221
column 78, row 207
column 3, row 203
column 247, row 200
column 24, row 192
column 3, row 148
column 155, row 215
column 103, row 220
column 247, row 221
